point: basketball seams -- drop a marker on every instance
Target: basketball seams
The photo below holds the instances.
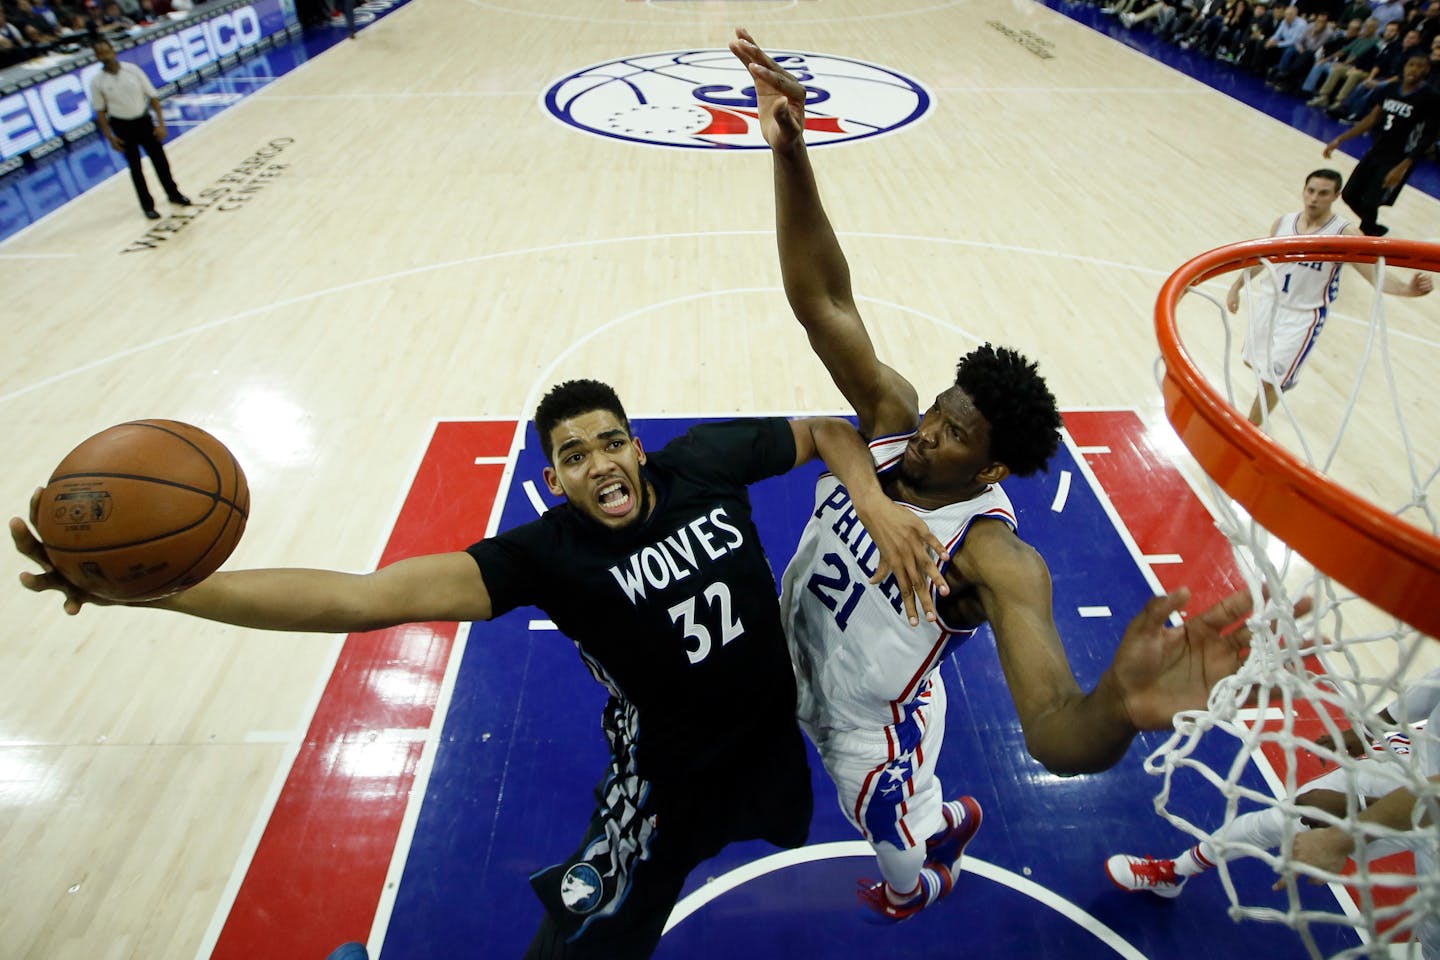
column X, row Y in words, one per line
column 205, row 555
column 161, row 426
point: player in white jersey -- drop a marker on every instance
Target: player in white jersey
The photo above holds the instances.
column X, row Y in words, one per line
column 1382, row 785
column 870, row 693
column 1288, row 305
column 871, row 697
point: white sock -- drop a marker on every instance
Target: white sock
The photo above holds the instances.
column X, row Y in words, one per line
column 900, row 899
column 1192, row 862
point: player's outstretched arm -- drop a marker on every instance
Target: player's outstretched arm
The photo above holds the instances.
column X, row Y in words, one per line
column 815, row 272
column 1329, row 847
column 440, row 586
column 1157, row 671
column 1363, row 126
column 1418, row 285
column 445, row 586
column 1066, row 730
column 908, row 548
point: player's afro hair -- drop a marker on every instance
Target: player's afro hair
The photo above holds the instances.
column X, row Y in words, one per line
column 572, row 399
column 1010, row 393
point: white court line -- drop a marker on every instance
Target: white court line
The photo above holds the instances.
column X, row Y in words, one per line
column 1154, row 558
column 533, row 495
column 1089, row 451
column 543, row 625
column 483, row 461
column 859, row 848
column 1093, row 612
column 1062, row 494
column 553, row 248
column 274, row 736
column 423, row 95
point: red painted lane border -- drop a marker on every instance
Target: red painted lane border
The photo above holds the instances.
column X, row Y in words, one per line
column 319, row 870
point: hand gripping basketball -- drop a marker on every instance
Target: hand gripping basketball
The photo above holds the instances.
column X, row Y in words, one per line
column 136, row 512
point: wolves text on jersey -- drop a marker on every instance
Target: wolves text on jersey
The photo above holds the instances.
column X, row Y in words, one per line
column 677, row 556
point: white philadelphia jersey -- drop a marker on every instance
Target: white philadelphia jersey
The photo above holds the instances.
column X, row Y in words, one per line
column 858, row 662
column 1306, row 285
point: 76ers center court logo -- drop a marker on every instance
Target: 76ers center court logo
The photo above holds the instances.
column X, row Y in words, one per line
column 705, row 99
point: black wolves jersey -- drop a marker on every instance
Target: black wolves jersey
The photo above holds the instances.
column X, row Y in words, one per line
column 677, row 617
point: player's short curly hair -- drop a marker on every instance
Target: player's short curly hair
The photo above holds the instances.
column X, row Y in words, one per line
column 1009, row 392
column 572, row 399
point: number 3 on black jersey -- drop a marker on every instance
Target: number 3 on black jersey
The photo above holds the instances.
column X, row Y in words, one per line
column 683, row 613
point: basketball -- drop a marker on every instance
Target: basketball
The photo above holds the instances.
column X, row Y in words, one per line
column 143, row 509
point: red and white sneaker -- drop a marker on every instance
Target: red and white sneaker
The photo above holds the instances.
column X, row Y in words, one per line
column 944, row 850
column 876, row 897
column 1144, row 873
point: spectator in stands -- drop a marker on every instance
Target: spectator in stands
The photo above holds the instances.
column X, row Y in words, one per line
column 1262, row 28
column 1290, row 69
column 1286, row 34
column 1207, row 33
column 47, row 13
column 1345, row 75
column 1164, row 12
column 75, row 25
column 36, row 28
column 1387, row 70
column 113, row 20
column 14, row 48
column 1341, row 49
column 1387, row 10
column 1427, row 22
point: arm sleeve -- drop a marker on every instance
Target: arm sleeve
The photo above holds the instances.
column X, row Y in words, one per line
column 97, row 97
column 739, row 451
column 506, row 561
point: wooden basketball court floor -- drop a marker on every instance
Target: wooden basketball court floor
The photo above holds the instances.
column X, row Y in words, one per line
column 421, row 250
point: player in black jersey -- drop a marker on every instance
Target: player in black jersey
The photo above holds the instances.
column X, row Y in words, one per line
column 1407, row 113
column 653, row 567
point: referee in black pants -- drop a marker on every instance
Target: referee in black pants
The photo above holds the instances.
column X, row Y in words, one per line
column 123, row 97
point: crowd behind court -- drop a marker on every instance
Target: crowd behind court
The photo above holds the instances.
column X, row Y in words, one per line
column 1336, row 54
column 30, row 29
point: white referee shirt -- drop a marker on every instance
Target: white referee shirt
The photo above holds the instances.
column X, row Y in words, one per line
column 124, row 95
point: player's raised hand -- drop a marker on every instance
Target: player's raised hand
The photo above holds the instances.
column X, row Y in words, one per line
column 780, row 97
column 909, row 550
column 1162, row 670
column 33, row 550
column 1420, row 284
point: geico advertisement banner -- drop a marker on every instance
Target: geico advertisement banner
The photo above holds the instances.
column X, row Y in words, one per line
column 61, row 104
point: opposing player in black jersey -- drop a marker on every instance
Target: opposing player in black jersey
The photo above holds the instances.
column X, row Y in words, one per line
column 653, row 567
column 1407, row 113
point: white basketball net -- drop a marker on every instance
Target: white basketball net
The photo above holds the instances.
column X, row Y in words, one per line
column 1366, row 417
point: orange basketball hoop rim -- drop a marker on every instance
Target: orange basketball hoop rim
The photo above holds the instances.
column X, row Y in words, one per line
column 1390, row 562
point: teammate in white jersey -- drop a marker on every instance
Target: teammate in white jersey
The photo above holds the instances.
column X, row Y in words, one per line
column 1382, row 787
column 870, row 694
column 1287, row 307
